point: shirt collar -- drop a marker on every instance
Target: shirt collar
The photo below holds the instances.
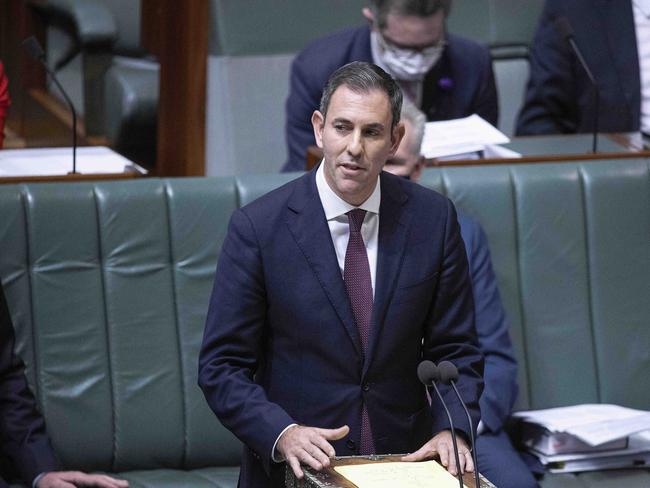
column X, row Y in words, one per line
column 643, row 6
column 334, row 206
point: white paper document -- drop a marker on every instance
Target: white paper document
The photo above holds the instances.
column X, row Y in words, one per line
column 458, row 136
column 53, row 161
column 427, row 474
column 592, row 423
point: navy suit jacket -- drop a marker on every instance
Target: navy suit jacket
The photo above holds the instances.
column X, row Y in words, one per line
column 281, row 345
column 24, row 446
column 500, row 374
column 461, row 83
column 559, row 96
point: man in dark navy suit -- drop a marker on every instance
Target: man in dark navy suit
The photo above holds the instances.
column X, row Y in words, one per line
column 614, row 38
column 498, row 460
column 443, row 74
column 25, row 449
column 328, row 293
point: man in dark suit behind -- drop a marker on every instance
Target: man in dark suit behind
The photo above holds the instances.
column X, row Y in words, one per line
column 560, row 97
column 328, row 293
column 445, row 75
column 25, row 449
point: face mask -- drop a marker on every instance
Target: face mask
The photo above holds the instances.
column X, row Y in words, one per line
column 407, row 64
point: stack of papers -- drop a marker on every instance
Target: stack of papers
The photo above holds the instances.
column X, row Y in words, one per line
column 463, row 138
column 587, row 437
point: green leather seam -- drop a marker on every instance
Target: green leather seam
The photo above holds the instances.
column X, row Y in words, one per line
column 522, row 314
column 583, row 196
column 28, row 273
column 107, row 332
column 172, row 265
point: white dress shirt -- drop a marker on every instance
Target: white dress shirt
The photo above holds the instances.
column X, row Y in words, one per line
column 641, row 9
column 335, row 212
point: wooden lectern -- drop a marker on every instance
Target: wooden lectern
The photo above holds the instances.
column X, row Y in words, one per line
column 329, row 478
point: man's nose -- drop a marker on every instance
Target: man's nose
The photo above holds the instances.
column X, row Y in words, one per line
column 355, row 146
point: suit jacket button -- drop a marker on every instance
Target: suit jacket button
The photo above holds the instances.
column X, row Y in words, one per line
column 365, row 387
column 350, row 444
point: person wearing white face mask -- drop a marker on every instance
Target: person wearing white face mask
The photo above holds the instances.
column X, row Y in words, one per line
column 444, row 75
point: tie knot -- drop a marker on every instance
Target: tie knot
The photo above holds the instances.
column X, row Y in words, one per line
column 355, row 217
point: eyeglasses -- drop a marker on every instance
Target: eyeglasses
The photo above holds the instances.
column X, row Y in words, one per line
column 405, row 51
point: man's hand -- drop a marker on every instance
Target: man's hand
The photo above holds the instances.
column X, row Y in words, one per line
column 442, row 444
column 310, row 446
column 74, row 479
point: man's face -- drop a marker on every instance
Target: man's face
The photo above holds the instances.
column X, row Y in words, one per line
column 356, row 139
column 411, row 32
column 406, row 161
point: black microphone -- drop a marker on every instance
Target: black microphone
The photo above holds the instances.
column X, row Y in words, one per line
column 449, row 375
column 35, row 50
column 564, row 29
column 428, row 374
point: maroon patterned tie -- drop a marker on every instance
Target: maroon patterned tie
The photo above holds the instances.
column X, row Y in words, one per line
column 358, row 284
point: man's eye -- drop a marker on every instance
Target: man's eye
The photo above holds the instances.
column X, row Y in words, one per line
column 340, row 127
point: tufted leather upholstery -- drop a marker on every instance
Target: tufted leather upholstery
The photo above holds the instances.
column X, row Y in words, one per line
column 108, row 285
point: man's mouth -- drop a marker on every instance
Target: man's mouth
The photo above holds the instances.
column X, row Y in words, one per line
column 353, row 167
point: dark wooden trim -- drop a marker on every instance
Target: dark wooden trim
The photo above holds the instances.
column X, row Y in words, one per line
column 554, row 158
column 127, row 175
column 150, row 23
column 183, row 53
column 629, row 149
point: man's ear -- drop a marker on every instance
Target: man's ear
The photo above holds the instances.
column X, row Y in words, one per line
column 318, row 123
column 370, row 17
column 397, row 134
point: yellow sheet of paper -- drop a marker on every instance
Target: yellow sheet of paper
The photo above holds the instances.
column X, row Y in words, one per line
column 427, row 474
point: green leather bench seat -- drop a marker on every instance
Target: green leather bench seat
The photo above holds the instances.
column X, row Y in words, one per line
column 108, row 285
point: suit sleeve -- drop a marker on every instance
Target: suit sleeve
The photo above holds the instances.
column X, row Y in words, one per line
column 486, row 103
column 451, row 333
column 500, row 375
column 23, row 439
column 233, row 344
column 303, row 99
column 551, row 102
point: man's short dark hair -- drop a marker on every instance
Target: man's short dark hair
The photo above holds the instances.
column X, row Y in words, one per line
column 362, row 77
column 417, row 8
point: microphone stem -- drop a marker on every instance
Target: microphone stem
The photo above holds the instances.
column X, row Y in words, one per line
column 585, row 66
column 74, row 115
column 597, row 108
column 453, row 435
column 471, row 434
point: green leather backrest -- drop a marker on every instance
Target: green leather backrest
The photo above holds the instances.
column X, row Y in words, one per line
column 495, row 22
column 261, row 27
column 571, row 248
column 108, row 284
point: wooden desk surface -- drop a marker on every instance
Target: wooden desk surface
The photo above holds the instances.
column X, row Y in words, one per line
column 331, row 479
column 53, row 165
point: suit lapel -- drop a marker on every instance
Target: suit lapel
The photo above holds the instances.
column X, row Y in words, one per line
column 393, row 230
column 618, row 22
column 309, row 228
